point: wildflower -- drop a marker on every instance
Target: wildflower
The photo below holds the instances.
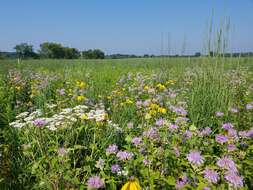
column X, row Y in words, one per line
column 160, row 86
column 62, row 151
column 115, row 168
column 136, row 141
column 152, row 133
column 176, row 151
column 95, row 182
column 112, row 149
column 231, row 147
column 234, row 179
column 61, row 91
column 124, row 155
column 162, row 110
column 40, row 122
column 188, row 134
column 194, row 157
column 249, row 106
column 206, row 188
column 100, row 164
column 173, row 127
column 160, row 122
column 80, row 98
column 205, row 131
column 130, row 125
column 234, row 110
column 80, row 84
column 146, row 88
column 221, row 138
column 227, row 163
column 146, row 162
column 211, row 175
column 227, row 126
column 181, row 182
column 132, row 184
column 219, row 114
column 232, row 134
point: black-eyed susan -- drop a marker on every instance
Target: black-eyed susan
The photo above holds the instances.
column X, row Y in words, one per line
column 132, row 184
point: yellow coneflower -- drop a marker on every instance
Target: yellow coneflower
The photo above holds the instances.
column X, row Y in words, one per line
column 131, row 185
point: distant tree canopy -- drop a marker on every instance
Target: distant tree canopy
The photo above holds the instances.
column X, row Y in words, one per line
column 93, row 54
column 25, row 50
column 57, row 51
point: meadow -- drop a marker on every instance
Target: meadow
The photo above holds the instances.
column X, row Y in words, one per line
column 130, row 124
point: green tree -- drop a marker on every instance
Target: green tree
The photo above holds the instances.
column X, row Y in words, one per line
column 93, row 54
column 24, row 50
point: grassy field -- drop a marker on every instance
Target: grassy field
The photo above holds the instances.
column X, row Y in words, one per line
column 154, row 123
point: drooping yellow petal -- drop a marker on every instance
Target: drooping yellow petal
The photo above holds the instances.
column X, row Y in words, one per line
column 137, row 185
column 126, row 186
column 132, row 186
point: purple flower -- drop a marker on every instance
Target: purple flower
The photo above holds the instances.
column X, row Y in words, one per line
column 250, row 133
column 115, row 168
column 160, row 122
column 231, row 147
column 227, row 163
column 100, row 164
column 234, row 179
column 234, row 110
column 112, row 149
column 61, row 91
column 136, row 141
column 206, row 188
column 95, row 182
column 227, row 126
column 205, row 131
column 130, row 125
column 219, row 114
column 194, row 157
column 232, row 134
column 176, row 151
column 173, row 127
column 181, row 119
column 249, row 106
column 188, row 134
column 40, row 122
column 62, row 151
column 211, row 175
column 221, row 138
column 124, row 155
column 181, row 182
column 151, row 134
column 146, row 162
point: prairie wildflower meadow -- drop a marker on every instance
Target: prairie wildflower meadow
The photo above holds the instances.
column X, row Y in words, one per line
column 132, row 124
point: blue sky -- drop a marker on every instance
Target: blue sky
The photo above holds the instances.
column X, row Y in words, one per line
column 123, row 26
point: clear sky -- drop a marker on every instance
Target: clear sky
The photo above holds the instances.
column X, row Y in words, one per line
column 123, row 26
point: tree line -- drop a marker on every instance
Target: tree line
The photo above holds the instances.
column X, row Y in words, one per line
column 50, row 50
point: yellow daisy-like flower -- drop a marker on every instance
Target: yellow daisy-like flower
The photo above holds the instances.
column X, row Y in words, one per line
column 162, row 110
column 84, row 117
column 146, row 87
column 128, row 101
column 80, row 84
column 131, row 185
column 160, row 86
column 80, row 98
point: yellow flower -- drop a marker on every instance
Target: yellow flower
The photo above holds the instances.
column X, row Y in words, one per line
column 128, row 101
column 80, row 84
column 147, row 116
column 131, row 185
column 80, row 98
column 160, row 86
column 18, row 88
column 84, row 117
column 146, row 87
column 162, row 110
